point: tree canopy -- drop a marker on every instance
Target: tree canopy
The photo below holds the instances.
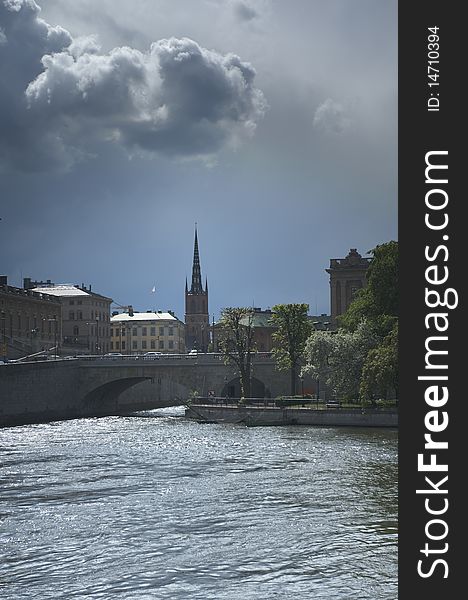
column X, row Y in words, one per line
column 237, row 344
column 338, row 358
column 292, row 330
column 378, row 301
column 361, row 358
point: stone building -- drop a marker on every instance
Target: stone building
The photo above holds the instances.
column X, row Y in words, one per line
column 197, row 320
column 29, row 321
column 136, row 332
column 85, row 316
column 347, row 276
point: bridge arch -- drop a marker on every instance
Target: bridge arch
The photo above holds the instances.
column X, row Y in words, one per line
column 107, row 395
column 232, row 389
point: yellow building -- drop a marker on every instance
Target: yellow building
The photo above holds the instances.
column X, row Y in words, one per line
column 142, row 332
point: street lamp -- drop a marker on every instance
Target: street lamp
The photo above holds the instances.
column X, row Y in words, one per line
column 97, row 334
column 4, row 344
column 55, row 334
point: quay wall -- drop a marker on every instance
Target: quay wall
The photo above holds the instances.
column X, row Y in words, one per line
column 334, row 417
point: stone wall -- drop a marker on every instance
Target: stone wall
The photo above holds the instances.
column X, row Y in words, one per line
column 65, row 389
column 294, row 416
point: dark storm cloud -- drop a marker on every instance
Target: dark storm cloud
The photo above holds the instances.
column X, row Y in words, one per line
column 25, row 38
column 59, row 94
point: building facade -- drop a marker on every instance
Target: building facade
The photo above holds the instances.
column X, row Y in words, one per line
column 142, row 332
column 85, row 316
column 263, row 328
column 29, row 321
column 347, row 276
column 197, row 320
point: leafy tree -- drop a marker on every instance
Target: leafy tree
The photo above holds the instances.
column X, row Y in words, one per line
column 338, row 358
column 378, row 301
column 292, row 330
column 380, row 371
column 236, row 343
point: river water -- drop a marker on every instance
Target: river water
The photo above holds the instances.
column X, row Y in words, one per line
column 157, row 507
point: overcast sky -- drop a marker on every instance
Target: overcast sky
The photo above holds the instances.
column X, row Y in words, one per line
column 270, row 123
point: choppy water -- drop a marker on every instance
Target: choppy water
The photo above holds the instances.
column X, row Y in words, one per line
column 157, row 507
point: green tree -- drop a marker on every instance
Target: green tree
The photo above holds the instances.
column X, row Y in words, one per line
column 292, row 330
column 378, row 301
column 237, row 344
column 338, row 358
column 380, row 371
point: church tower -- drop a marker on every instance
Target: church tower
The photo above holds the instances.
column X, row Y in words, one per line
column 197, row 321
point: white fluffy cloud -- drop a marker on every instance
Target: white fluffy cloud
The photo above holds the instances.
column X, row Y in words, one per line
column 59, row 94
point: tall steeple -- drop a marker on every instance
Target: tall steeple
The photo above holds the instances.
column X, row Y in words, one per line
column 197, row 330
column 197, row 287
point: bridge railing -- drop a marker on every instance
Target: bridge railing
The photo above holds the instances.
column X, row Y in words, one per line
column 200, row 357
column 228, row 401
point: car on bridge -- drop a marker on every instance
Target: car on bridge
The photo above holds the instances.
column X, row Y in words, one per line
column 113, row 355
column 152, row 355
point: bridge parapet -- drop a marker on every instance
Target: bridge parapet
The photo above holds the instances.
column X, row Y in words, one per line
column 201, row 358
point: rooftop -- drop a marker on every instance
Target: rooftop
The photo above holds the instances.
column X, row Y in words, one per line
column 143, row 316
column 68, row 290
column 65, row 289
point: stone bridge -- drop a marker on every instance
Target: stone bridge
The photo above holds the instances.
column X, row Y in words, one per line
column 96, row 386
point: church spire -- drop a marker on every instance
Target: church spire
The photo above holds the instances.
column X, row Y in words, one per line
column 196, row 271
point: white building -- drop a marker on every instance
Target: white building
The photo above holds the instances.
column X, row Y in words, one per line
column 147, row 331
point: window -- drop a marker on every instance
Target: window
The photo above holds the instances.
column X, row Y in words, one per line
column 135, row 331
column 153, row 331
column 112, row 332
column 80, row 302
column 123, row 345
column 80, row 315
column 134, row 344
column 144, row 331
column 171, row 344
column 71, row 303
column 161, row 344
column 171, row 330
column 143, row 344
column 153, row 345
column 117, row 345
column 161, row 331
column 71, row 315
column 112, row 345
column 76, row 330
